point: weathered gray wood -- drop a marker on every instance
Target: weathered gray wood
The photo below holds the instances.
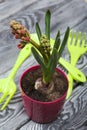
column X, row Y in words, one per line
column 65, row 13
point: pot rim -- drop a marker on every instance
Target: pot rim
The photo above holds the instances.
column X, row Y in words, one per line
column 41, row 102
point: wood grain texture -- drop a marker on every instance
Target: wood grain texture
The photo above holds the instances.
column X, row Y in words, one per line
column 65, row 13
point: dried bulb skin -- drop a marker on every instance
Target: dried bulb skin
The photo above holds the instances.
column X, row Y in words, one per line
column 44, row 88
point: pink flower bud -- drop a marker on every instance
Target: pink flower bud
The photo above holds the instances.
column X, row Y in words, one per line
column 17, row 36
column 23, row 31
column 12, row 22
column 27, row 38
column 20, row 46
column 23, row 38
column 19, row 31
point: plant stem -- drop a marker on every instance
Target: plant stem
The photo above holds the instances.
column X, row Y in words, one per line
column 35, row 44
column 39, row 49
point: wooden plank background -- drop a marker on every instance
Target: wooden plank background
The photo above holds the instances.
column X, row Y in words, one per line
column 65, row 13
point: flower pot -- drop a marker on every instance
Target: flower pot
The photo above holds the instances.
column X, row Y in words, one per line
column 38, row 111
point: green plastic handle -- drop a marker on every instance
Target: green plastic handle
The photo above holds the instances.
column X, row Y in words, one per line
column 70, row 87
column 23, row 55
column 75, row 73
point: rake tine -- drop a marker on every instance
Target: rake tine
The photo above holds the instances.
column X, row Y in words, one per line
column 74, row 40
column 3, row 97
column 84, row 40
column 79, row 39
column 6, row 103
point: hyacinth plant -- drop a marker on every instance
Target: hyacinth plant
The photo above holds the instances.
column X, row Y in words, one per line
column 45, row 55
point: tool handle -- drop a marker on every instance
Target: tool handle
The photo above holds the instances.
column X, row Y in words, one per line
column 70, row 87
column 23, row 55
column 76, row 73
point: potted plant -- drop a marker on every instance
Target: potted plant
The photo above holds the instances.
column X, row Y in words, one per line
column 43, row 86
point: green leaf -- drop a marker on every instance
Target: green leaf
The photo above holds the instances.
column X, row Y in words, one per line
column 38, row 58
column 53, row 59
column 63, row 42
column 57, row 41
column 47, row 24
column 38, row 30
column 51, row 66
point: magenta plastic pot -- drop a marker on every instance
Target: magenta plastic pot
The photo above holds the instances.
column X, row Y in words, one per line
column 42, row 112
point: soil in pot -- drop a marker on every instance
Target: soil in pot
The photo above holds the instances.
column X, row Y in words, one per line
column 28, row 82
